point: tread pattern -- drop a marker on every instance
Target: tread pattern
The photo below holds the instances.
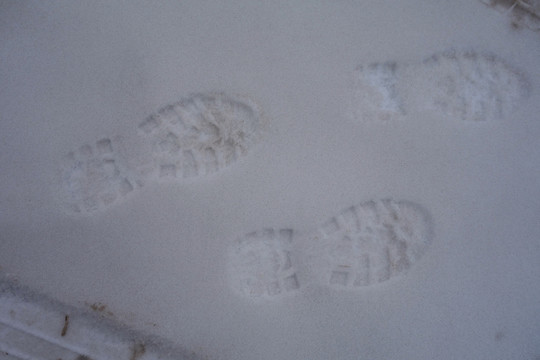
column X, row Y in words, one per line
column 94, row 177
column 200, row 135
column 373, row 242
column 472, row 86
column 261, row 264
column 469, row 86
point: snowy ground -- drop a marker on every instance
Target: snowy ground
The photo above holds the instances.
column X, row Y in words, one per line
column 279, row 180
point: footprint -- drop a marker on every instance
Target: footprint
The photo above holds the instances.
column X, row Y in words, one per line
column 94, row 177
column 261, row 265
column 199, row 135
column 370, row 243
column 470, row 86
column 463, row 85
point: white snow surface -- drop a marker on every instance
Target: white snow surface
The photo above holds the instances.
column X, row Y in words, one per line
column 343, row 180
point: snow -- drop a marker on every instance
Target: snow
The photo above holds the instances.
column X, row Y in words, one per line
column 428, row 103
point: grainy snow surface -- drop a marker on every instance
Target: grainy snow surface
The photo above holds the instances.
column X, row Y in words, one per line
column 270, row 180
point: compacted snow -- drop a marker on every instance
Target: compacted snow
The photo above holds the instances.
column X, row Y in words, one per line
column 280, row 180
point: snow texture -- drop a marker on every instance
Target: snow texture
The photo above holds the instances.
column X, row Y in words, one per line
column 372, row 193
